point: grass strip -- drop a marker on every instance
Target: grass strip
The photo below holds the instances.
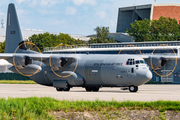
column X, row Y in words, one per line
column 38, row 108
column 17, row 82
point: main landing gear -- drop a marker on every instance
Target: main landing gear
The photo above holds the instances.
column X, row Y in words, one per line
column 94, row 89
column 63, row 89
column 133, row 88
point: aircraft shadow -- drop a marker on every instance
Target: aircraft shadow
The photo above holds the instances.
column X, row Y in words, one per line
column 103, row 91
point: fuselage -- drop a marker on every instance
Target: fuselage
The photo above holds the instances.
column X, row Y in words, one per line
column 97, row 70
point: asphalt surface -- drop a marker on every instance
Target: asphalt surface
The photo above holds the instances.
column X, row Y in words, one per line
column 145, row 93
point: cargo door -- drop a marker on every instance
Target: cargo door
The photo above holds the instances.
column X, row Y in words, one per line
column 93, row 72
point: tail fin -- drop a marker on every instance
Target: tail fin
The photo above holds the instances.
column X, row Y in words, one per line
column 13, row 30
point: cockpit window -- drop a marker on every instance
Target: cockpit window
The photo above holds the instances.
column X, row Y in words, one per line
column 140, row 62
column 137, row 61
column 130, row 62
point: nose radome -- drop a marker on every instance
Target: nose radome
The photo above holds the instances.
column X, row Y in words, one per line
column 145, row 74
column 149, row 75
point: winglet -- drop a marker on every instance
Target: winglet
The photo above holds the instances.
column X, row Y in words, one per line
column 13, row 30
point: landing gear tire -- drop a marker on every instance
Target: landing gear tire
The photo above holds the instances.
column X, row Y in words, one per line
column 63, row 89
column 88, row 89
column 94, row 89
column 67, row 89
column 133, row 88
column 59, row 89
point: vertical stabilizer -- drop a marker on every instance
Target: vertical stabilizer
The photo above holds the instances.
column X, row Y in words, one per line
column 13, row 30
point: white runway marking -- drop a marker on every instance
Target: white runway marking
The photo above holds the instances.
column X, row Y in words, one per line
column 145, row 93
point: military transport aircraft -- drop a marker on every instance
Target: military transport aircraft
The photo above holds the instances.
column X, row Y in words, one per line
column 64, row 71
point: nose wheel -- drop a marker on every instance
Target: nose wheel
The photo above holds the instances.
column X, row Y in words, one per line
column 133, row 88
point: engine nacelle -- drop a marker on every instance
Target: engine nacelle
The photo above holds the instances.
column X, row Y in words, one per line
column 22, row 61
column 56, row 62
column 28, row 70
column 157, row 62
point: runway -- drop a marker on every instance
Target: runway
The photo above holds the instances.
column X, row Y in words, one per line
column 145, row 93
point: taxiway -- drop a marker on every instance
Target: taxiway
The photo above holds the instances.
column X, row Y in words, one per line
column 145, row 93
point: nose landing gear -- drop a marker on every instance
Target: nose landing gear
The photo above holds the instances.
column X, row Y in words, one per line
column 133, row 88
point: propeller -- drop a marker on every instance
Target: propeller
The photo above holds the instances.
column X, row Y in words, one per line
column 56, row 64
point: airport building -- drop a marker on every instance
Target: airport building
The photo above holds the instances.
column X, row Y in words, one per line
column 127, row 15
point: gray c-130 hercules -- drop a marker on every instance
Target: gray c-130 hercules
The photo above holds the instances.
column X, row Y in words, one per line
column 64, row 71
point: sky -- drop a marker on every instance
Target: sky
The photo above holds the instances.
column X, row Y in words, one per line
column 70, row 16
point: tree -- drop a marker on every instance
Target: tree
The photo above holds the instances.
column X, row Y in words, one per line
column 140, row 30
column 48, row 40
column 102, row 36
column 163, row 29
column 52, row 40
column 2, row 47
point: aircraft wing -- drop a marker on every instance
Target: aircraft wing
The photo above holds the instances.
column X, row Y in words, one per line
column 169, row 57
column 33, row 56
column 6, row 55
column 23, row 59
column 40, row 56
column 158, row 61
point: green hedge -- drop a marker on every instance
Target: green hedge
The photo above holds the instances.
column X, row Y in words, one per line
column 13, row 76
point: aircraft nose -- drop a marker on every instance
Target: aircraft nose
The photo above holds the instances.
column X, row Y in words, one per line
column 145, row 75
column 148, row 75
